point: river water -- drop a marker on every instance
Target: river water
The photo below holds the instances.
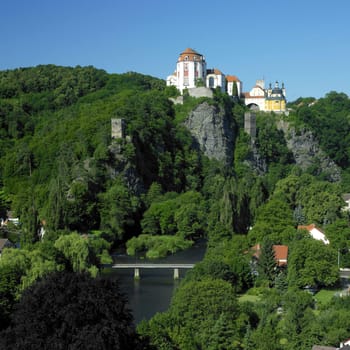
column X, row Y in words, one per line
column 153, row 291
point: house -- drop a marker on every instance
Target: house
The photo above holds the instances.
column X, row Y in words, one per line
column 281, row 254
column 234, row 85
column 315, row 232
column 5, row 243
column 268, row 100
column 255, row 98
column 215, row 79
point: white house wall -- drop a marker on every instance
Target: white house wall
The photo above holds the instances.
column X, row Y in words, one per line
column 195, row 70
column 259, row 101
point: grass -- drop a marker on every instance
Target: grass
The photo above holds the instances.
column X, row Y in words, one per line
column 324, row 296
column 250, row 298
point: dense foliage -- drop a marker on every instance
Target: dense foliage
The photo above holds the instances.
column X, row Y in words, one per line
column 80, row 193
column 71, row 311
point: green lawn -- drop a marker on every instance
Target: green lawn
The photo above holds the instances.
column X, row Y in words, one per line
column 247, row 297
column 324, row 296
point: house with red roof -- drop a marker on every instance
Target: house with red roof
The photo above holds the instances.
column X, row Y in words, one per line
column 281, row 253
column 315, row 232
column 232, row 81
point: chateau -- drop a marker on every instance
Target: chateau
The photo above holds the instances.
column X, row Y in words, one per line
column 192, row 72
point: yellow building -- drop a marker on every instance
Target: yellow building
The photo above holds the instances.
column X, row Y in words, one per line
column 275, row 100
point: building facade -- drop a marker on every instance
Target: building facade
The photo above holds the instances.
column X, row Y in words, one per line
column 191, row 72
column 267, row 100
column 276, row 98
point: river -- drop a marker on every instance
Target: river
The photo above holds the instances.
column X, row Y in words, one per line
column 153, row 291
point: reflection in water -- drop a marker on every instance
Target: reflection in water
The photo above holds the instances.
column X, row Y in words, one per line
column 153, row 292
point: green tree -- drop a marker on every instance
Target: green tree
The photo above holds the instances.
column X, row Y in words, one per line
column 274, row 217
column 118, row 207
column 311, row 262
column 70, row 311
column 75, row 249
column 195, row 309
column 321, row 202
column 297, row 305
column 267, row 263
column 158, row 329
column 224, row 335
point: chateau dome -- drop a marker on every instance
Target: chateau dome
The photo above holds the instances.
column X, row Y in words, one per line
column 190, row 55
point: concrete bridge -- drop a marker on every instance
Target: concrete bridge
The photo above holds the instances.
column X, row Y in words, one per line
column 138, row 266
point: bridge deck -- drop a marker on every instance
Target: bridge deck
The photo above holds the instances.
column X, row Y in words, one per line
column 152, row 266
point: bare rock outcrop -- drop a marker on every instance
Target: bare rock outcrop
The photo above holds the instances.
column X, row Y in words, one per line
column 213, row 131
column 307, row 152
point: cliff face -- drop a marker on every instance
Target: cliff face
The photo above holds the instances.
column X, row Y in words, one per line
column 307, row 152
column 213, row 132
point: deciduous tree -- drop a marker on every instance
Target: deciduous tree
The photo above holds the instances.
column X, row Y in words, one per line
column 71, row 311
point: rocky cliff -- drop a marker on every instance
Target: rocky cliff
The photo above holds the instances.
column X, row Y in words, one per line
column 213, row 131
column 307, row 152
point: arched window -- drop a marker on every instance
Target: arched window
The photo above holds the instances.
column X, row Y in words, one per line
column 211, row 82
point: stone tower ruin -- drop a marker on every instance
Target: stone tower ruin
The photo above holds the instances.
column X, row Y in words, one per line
column 118, row 128
column 250, row 124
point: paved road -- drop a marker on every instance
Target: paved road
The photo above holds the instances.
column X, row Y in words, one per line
column 344, row 273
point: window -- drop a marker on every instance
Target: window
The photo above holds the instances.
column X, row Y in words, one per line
column 211, row 82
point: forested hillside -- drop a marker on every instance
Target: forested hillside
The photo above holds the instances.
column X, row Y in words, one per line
column 79, row 194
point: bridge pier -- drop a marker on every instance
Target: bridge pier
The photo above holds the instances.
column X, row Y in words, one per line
column 176, row 274
column 136, row 273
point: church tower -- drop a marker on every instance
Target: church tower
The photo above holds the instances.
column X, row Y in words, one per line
column 276, row 99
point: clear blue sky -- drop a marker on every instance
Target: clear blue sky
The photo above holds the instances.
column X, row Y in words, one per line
column 304, row 43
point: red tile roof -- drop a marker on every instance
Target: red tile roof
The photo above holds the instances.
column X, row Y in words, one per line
column 232, row 78
column 190, row 51
column 281, row 253
column 190, row 55
column 307, row 227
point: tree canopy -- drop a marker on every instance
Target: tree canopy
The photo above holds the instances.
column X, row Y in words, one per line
column 71, row 311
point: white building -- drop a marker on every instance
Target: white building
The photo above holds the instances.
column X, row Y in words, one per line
column 191, row 71
column 215, row 78
column 269, row 100
column 231, row 81
column 315, row 232
column 255, row 98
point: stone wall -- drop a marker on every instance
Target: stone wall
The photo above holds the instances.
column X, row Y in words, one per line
column 200, row 92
